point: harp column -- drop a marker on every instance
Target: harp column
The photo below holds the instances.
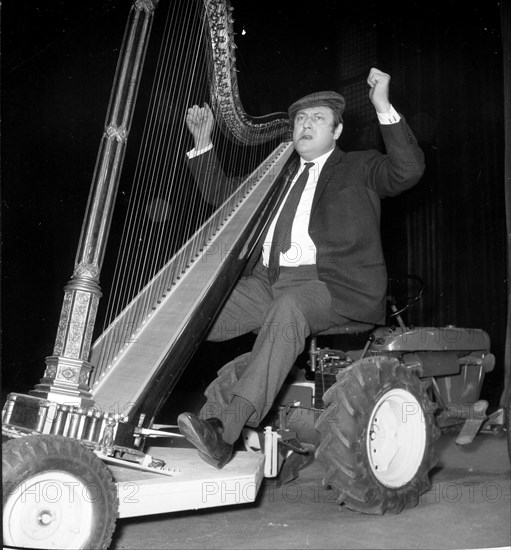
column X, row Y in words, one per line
column 66, row 378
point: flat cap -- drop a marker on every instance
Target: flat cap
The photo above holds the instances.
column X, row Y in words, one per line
column 327, row 99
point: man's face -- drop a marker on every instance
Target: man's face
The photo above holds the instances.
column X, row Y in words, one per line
column 314, row 133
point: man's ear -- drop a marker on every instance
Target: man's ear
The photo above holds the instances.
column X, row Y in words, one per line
column 338, row 130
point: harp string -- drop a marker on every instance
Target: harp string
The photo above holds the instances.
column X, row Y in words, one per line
column 180, row 226
column 134, row 266
column 161, row 196
column 166, row 222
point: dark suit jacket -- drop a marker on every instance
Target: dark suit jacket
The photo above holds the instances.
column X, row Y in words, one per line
column 345, row 217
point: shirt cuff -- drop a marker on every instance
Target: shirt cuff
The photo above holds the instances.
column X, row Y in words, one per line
column 195, row 153
column 389, row 118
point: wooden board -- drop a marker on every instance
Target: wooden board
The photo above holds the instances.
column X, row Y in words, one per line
column 193, row 483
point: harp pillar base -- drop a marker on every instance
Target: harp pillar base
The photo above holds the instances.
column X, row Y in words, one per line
column 65, row 381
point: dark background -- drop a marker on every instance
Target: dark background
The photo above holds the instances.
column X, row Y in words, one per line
column 445, row 59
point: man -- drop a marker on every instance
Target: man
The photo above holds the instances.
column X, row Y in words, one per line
column 332, row 274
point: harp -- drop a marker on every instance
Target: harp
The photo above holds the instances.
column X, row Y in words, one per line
column 178, row 257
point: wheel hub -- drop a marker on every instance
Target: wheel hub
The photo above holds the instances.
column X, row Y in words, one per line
column 45, row 517
column 396, row 438
column 53, row 509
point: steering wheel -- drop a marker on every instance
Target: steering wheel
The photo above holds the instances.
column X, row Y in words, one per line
column 410, row 300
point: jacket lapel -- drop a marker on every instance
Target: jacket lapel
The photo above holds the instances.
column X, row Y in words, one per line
column 327, row 172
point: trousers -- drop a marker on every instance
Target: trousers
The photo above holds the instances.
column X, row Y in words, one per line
column 283, row 315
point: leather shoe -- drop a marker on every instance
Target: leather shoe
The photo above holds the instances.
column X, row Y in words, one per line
column 206, row 436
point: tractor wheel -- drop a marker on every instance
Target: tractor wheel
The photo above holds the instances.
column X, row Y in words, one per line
column 56, row 494
column 376, row 437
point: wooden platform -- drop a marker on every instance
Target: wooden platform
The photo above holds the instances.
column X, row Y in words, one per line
column 190, row 485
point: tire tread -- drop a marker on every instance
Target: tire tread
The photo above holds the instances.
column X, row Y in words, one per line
column 342, row 450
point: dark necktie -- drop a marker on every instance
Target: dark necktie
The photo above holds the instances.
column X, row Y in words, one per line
column 282, row 234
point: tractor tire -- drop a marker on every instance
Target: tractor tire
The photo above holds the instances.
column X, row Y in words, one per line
column 56, row 494
column 377, row 436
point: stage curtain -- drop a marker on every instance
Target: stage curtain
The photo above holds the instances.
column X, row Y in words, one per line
column 448, row 80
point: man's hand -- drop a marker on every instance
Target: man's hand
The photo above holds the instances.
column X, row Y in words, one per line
column 379, row 92
column 200, row 122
